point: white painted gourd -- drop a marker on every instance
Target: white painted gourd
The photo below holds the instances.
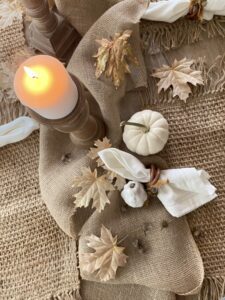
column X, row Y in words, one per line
column 134, row 194
column 150, row 137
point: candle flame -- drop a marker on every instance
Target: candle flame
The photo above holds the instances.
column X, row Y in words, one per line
column 30, row 72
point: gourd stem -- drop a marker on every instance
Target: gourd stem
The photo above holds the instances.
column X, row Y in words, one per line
column 123, row 123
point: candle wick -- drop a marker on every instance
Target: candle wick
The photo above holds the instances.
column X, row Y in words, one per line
column 30, row 73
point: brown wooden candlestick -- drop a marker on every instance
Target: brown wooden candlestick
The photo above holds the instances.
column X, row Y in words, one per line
column 83, row 128
column 49, row 32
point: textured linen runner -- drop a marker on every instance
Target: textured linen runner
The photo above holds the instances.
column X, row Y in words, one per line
column 172, row 262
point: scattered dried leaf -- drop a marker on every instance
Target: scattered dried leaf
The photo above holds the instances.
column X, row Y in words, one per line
column 106, row 259
column 92, row 188
column 10, row 11
column 114, row 56
column 178, row 76
column 99, row 145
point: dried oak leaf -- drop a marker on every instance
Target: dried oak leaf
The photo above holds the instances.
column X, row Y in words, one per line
column 114, row 56
column 9, row 12
column 106, row 259
column 99, row 145
column 178, row 76
column 93, row 187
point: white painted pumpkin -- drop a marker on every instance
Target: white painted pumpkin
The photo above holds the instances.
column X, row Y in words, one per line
column 149, row 139
column 134, row 194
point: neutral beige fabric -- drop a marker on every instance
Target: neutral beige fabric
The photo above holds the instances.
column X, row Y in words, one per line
column 168, row 250
column 37, row 260
column 172, row 261
column 82, row 14
column 93, row 290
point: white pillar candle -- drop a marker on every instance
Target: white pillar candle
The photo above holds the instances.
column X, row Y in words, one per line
column 43, row 84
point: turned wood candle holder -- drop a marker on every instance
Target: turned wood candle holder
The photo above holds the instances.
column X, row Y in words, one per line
column 49, row 32
column 84, row 129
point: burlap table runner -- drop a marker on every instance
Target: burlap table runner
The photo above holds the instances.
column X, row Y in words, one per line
column 172, row 262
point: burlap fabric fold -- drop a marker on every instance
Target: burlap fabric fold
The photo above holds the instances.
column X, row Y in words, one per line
column 172, row 261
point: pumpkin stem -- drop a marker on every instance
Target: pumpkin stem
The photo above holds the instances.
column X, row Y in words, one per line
column 123, row 123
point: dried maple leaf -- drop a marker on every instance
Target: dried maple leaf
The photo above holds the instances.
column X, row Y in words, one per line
column 106, row 259
column 114, row 56
column 178, row 76
column 99, row 145
column 10, row 11
column 92, row 188
column 117, row 180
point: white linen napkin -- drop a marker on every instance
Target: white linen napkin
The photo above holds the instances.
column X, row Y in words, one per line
column 171, row 10
column 186, row 190
column 17, row 130
column 124, row 164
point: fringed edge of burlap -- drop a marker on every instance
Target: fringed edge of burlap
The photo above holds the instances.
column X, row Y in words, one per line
column 157, row 36
column 10, row 111
column 70, row 295
column 213, row 288
column 214, row 82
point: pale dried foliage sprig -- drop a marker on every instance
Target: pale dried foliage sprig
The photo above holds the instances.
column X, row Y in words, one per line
column 106, row 258
column 114, row 57
column 178, row 76
column 9, row 12
column 94, row 187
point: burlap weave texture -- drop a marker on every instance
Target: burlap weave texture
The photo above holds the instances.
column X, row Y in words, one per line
column 37, row 260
